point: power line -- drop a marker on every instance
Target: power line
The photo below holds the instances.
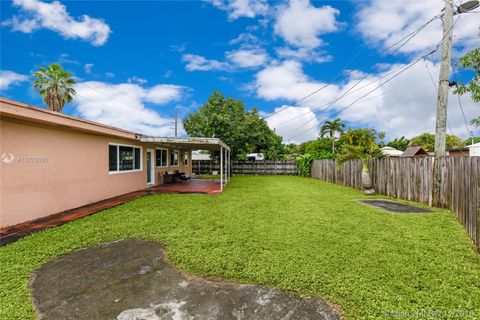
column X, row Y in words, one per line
column 436, row 89
column 109, row 96
column 376, row 88
column 409, row 36
column 430, row 74
column 407, row 67
column 345, row 94
column 460, row 101
column 349, row 91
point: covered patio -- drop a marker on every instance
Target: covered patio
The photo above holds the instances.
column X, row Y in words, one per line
column 189, row 144
column 200, row 186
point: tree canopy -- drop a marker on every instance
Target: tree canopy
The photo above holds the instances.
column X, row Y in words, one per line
column 471, row 61
column 329, row 128
column 427, row 141
column 228, row 119
column 55, row 86
column 399, row 143
column 365, row 137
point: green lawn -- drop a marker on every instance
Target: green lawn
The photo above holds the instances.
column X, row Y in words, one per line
column 292, row 233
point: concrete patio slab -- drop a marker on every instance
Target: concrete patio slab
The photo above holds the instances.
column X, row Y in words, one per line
column 130, row 279
column 394, row 206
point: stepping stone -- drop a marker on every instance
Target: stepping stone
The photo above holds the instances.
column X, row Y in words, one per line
column 394, row 206
column 130, row 279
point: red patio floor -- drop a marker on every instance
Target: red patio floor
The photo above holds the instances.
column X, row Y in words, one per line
column 206, row 186
column 13, row 233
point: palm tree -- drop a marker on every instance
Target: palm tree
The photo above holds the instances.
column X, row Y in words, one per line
column 364, row 154
column 55, row 86
column 330, row 128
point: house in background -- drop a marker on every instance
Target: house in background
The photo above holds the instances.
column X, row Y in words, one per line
column 474, row 149
column 255, row 157
column 413, row 152
column 52, row 162
column 391, row 152
column 199, row 155
column 458, row 152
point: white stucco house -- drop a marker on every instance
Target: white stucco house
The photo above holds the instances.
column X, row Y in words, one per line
column 474, row 149
column 391, row 152
column 198, row 155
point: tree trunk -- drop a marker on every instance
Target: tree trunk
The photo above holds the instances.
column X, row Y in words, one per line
column 367, row 180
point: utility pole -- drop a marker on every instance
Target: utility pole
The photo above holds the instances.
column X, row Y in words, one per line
column 442, row 98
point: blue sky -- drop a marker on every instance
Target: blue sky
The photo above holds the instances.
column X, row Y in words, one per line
column 135, row 62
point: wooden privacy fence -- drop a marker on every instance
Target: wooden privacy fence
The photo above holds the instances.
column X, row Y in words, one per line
column 412, row 179
column 267, row 167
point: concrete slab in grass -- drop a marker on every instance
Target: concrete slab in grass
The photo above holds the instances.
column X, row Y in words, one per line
column 130, row 279
column 394, row 206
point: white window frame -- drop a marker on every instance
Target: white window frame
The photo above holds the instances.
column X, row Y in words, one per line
column 166, row 166
column 178, row 158
column 118, row 171
column 187, row 154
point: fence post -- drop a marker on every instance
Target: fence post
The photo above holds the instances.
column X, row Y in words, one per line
column 476, row 165
column 478, row 215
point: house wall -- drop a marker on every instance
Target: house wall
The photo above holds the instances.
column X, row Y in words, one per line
column 458, row 153
column 160, row 171
column 69, row 169
column 474, row 151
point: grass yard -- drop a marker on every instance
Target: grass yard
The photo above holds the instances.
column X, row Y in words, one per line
column 292, row 233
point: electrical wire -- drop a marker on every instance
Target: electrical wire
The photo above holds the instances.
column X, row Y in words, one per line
column 376, row 88
column 344, row 95
column 407, row 67
column 408, row 37
column 460, row 102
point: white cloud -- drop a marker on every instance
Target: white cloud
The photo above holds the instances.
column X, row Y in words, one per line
column 241, row 8
column 8, row 78
column 246, row 37
column 405, row 106
column 385, row 22
column 303, row 54
column 88, row 68
column 123, row 105
column 164, row 93
column 300, row 23
column 292, row 122
column 288, row 81
column 136, row 79
column 247, row 58
column 178, row 47
column 200, row 63
column 54, row 16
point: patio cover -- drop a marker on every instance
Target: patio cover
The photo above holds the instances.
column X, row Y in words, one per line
column 188, row 143
column 199, row 144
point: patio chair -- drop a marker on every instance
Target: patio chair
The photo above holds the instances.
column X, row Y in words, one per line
column 184, row 178
column 169, row 177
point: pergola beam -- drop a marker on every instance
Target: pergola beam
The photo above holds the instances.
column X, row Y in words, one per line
column 190, row 143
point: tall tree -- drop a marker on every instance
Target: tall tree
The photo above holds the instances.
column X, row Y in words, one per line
column 471, row 61
column 427, row 141
column 330, row 128
column 226, row 118
column 366, row 137
column 399, row 143
column 363, row 153
column 55, row 86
